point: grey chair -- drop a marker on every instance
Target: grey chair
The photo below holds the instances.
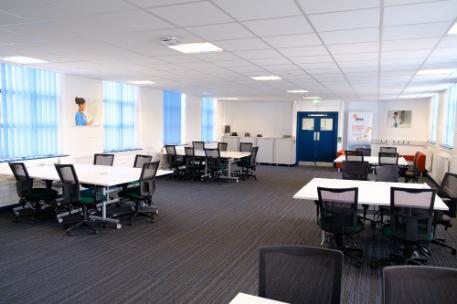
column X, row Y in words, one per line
column 103, row 159
column 355, row 170
column 214, row 163
column 245, row 147
column 297, row 274
column 388, row 150
column 140, row 160
column 175, row 161
column 337, row 215
column 412, row 172
column 387, row 173
column 419, row 285
column 387, row 158
column 198, row 145
column 354, row 155
column 222, row 146
column 365, row 151
column 248, row 164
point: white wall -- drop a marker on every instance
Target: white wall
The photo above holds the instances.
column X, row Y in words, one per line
column 192, row 126
column 150, row 126
column 271, row 119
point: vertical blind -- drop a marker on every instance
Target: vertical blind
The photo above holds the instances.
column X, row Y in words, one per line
column 172, row 117
column 434, row 118
column 120, row 116
column 450, row 117
column 207, row 119
column 28, row 109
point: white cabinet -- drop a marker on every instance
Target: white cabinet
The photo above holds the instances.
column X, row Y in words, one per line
column 284, row 151
column 266, row 150
column 252, row 140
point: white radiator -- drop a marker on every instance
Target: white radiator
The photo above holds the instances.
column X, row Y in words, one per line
column 440, row 166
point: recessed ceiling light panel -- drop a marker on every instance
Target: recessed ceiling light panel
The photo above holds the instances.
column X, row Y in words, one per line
column 141, row 82
column 297, row 91
column 453, row 30
column 24, row 60
column 195, row 48
column 266, row 78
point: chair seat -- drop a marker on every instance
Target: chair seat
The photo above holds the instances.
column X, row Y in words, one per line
column 132, row 193
column 445, row 220
column 89, row 196
column 359, row 227
column 387, row 231
column 42, row 194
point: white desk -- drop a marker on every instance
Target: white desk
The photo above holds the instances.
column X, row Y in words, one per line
column 243, row 298
column 108, row 178
column 370, row 192
column 373, row 160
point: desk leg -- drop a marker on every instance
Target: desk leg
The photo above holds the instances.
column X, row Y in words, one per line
column 229, row 171
column 104, row 219
column 322, row 237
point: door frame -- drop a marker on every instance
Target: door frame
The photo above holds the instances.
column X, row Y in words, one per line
column 303, row 113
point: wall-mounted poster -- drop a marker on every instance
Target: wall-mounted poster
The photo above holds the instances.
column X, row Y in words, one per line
column 87, row 112
column 359, row 129
column 399, row 119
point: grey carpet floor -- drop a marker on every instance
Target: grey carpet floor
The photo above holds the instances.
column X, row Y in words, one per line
column 202, row 248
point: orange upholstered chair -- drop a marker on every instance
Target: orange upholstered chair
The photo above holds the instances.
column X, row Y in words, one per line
column 338, row 154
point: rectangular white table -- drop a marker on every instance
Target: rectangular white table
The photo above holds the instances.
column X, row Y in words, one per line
column 370, row 192
column 107, row 178
column 243, row 298
column 373, row 160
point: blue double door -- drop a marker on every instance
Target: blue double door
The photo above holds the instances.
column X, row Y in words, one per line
column 317, row 136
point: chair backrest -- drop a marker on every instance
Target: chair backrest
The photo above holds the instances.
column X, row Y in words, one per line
column 103, row 159
column 213, row 158
column 147, row 178
column 245, row 147
column 170, row 149
column 448, row 190
column 212, row 153
column 354, row 155
column 387, row 173
column 140, row 160
column 24, row 183
column 355, row 170
column 387, row 158
column 365, row 151
column 222, row 146
column 419, row 285
column 198, row 145
column 298, row 274
column 388, row 149
column 337, row 209
column 411, row 213
column 253, row 156
column 70, row 182
column 189, row 151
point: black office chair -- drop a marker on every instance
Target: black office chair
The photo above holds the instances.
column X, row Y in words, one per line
column 412, row 173
column 419, row 285
column 365, row 151
column 355, row 170
column 387, row 158
column 140, row 160
column 175, row 161
column 73, row 197
column 337, row 215
column 142, row 195
column 392, row 150
column 248, row 164
column 353, row 155
column 29, row 194
column 194, row 165
column 103, row 159
column 198, row 145
column 448, row 193
column 245, row 147
column 222, row 146
column 411, row 222
column 214, row 163
column 299, row 275
column 387, row 173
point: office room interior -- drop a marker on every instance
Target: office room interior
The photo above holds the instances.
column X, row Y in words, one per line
column 228, row 151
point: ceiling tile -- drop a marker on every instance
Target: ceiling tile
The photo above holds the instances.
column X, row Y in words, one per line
column 151, row 3
column 279, row 26
column 258, row 9
column 303, row 51
column 409, row 44
column 90, row 6
column 355, row 57
column 198, row 13
column 242, row 44
column 420, row 13
column 350, row 36
column 221, row 31
column 322, row 6
column 313, row 59
column 354, row 48
column 415, row 31
column 293, row 40
column 253, row 54
column 346, row 20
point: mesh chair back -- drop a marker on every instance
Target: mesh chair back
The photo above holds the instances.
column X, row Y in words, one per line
column 411, row 213
column 253, row 157
column 170, row 149
column 188, row 151
column 198, row 145
column 297, row 274
column 338, row 209
column 189, row 156
column 354, row 155
column 140, row 160
column 70, row 182
column 245, row 147
column 365, row 151
column 103, row 159
column 213, row 158
column 388, row 150
column 147, row 178
column 355, row 170
column 222, row 146
column 448, row 190
column 387, row 173
column 386, row 158
column 419, row 285
column 24, row 183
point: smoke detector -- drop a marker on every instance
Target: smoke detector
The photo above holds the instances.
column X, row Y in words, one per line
column 170, row 41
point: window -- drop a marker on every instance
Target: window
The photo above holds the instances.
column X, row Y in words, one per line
column 172, row 117
column 433, row 118
column 450, row 117
column 28, row 112
column 120, row 115
column 208, row 119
